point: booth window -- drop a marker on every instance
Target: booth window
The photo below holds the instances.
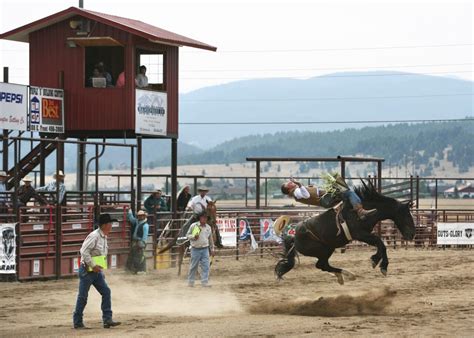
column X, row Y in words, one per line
column 155, row 69
column 103, row 66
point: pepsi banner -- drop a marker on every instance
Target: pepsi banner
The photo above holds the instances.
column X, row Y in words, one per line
column 46, row 110
column 267, row 233
column 455, row 233
column 151, row 112
column 7, row 248
column 13, row 106
column 228, row 230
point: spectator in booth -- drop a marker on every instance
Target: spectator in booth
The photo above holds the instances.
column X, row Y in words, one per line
column 141, row 80
column 202, row 245
column 26, row 192
column 120, row 80
column 51, row 186
column 104, row 73
column 197, row 205
column 91, row 272
column 136, row 262
column 95, row 74
column 3, row 193
column 183, row 198
column 155, row 202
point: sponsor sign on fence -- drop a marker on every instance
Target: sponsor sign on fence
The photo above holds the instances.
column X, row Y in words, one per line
column 46, row 110
column 267, row 233
column 228, row 230
column 7, row 248
column 13, row 106
column 151, row 112
column 455, row 233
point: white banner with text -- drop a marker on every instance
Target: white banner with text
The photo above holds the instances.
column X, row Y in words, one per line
column 455, row 233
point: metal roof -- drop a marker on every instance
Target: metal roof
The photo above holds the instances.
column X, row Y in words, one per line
column 135, row 27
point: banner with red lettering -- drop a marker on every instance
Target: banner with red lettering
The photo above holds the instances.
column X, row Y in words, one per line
column 228, row 230
column 7, row 248
column 46, row 110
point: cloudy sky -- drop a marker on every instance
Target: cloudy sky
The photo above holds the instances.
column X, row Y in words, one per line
column 284, row 38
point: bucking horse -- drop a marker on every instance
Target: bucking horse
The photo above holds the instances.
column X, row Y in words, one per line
column 320, row 235
column 211, row 211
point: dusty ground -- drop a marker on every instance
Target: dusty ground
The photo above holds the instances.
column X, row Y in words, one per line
column 427, row 293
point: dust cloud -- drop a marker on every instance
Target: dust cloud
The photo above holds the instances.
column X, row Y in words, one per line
column 370, row 303
column 131, row 296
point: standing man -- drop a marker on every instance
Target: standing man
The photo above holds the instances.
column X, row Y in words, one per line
column 312, row 195
column 197, row 205
column 93, row 262
column 26, row 192
column 51, row 186
column 3, row 193
column 200, row 236
column 136, row 261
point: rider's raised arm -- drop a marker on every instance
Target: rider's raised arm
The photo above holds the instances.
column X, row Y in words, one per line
column 301, row 193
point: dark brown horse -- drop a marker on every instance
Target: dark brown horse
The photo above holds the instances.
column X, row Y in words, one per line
column 211, row 211
column 319, row 236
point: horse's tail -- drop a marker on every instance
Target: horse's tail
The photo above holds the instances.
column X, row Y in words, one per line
column 169, row 245
column 288, row 261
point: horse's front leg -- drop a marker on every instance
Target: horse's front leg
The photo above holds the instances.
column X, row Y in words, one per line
column 380, row 255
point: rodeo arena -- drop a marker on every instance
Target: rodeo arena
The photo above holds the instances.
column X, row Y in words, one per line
column 309, row 260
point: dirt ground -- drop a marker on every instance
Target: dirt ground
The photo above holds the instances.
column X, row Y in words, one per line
column 427, row 293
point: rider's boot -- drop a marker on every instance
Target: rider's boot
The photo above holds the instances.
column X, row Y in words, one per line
column 363, row 213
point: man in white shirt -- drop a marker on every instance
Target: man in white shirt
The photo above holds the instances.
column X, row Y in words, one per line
column 141, row 80
column 197, row 205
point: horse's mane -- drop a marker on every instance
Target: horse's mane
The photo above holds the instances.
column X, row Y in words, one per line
column 368, row 192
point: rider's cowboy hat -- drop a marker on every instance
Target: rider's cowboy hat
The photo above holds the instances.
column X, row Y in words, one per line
column 202, row 188
column 59, row 174
column 3, row 174
column 27, row 179
column 105, row 218
column 280, row 223
column 142, row 212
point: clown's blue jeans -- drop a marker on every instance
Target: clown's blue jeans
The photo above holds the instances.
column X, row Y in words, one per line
column 86, row 279
column 199, row 256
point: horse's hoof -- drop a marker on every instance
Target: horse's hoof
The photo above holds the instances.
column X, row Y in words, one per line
column 374, row 263
column 383, row 271
column 340, row 278
column 349, row 275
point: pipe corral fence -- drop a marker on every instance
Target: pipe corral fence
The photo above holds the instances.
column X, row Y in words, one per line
column 49, row 237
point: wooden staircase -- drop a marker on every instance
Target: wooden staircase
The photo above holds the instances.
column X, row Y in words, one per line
column 29, row 162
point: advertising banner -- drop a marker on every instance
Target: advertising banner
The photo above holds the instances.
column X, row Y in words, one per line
column 455, row 233
column 228, row 230
column 46, row 110
column 151, row 114
column 7, row 248
column 266, row 231
column 13, row 106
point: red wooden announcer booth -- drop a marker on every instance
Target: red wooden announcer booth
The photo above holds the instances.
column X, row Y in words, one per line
column 66, row 49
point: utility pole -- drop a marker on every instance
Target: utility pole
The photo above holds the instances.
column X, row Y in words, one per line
column 81, row 3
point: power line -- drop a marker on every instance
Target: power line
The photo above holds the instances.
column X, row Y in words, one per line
column 338, row 49
column 328, row 98
column 332, row 68
column 329, row 76
column 327, row 122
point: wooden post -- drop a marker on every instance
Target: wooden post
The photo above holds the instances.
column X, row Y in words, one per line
column 174, row 174
column 257, row 184
column 139, row 172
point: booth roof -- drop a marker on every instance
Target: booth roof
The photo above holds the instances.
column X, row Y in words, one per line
column 135, row 27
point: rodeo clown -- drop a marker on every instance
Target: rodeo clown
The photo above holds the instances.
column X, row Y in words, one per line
column 335, row 189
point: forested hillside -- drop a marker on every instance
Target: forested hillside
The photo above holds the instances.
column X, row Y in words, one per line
column 423, row 144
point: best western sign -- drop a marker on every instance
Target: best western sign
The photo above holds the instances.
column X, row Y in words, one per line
column 46, row 110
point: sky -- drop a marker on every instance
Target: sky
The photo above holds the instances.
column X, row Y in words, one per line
column 283, row 38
